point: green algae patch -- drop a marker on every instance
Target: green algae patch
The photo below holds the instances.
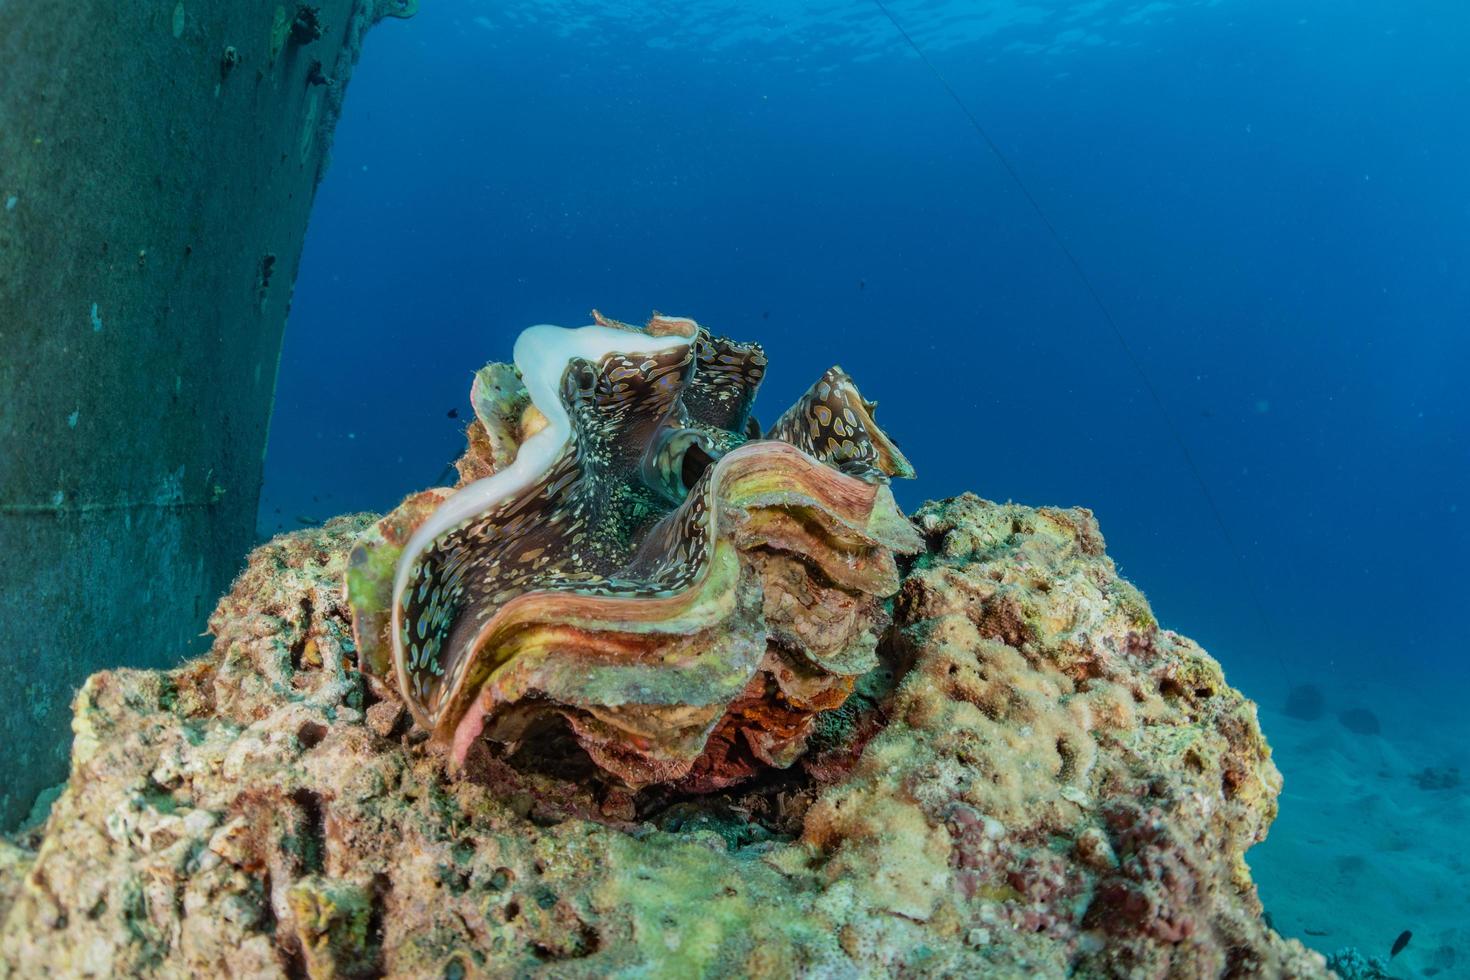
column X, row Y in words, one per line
column 735, row 829
column 370, row 576
column 280, row 27
column 1133, row 605
column 695, row 910
column 333, row 921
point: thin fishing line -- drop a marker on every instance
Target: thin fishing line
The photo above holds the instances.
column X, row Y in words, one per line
column 1097, row 300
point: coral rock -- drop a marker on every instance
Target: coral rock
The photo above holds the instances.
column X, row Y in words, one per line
column 1034, row 780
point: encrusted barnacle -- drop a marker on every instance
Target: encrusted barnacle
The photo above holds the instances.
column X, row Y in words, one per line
column 627, row 552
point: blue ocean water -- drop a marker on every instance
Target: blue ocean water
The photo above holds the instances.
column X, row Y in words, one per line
column 1271, row 198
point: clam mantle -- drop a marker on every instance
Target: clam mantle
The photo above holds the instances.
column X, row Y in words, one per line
column 627, row 555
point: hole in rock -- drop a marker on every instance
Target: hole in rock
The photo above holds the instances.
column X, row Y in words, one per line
column 310, row 734
column 1068, row 756
column 382, row 885
column 309, row 841
column 579, row 942
column 295, row 961
column 303, row 650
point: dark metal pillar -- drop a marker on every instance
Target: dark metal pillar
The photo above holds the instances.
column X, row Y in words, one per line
column 158, row 161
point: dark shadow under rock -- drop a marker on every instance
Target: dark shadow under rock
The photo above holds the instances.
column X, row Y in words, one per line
column 550, row 778
column 1305, row 703
column 1436, row 778
column 1360, row 721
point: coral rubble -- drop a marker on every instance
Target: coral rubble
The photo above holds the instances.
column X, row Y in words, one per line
column 1005, row 768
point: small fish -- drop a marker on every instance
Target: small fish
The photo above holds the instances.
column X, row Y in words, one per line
column 1400, row 943
column 453, row 413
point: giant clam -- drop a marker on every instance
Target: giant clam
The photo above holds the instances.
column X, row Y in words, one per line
column 627, row 552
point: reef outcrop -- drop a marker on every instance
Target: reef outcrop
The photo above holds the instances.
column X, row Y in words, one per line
column 1034, row 780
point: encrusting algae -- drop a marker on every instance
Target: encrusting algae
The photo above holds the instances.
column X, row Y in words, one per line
column 1007, row 769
